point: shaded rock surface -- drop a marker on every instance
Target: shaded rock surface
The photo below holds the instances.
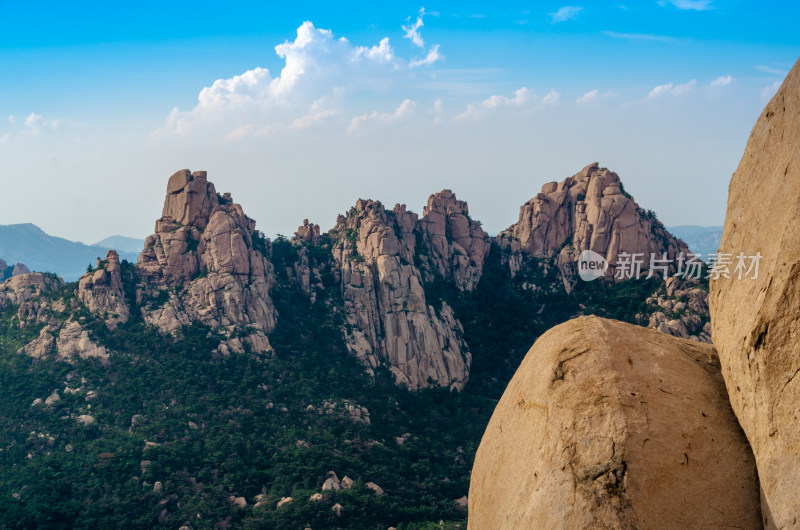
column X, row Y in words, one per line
column 610, row 425
column 755, row 321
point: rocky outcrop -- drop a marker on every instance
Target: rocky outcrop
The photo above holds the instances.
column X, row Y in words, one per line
column 308, row 233
column 7, row 271
column 23, row 288
column 453, row 245
column 680, row 309
column 66, row 342
column 389, row 320
column 209, row 262
column 588, row 211
column 102, row 293
column 610, row 425
column 754, row 318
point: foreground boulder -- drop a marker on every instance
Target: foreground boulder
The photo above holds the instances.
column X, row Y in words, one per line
column 609, row 425
column 755, row 321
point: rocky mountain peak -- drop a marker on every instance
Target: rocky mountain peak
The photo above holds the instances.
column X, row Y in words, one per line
column 588, row 211
column 455, row 245
column 190, row 198
column 307, row 233
column 389, row 319
column 205, row 243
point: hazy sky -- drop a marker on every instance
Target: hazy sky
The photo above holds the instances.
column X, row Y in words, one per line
column 298, row 109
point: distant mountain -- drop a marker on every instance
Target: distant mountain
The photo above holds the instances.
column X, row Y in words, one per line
column 122, row 244
column 29, row 244
column 703, row 240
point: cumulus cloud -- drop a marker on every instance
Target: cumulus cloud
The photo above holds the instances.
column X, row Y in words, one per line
column 402, row 111
column 660, row 90
column 722, row 81
column 412, row 30
column 11, row 119
column 686, row 87
column 524, row 98
column 671, row 89
column 564, row 14
column 319, row 75
column 34, row 123
column 688, row 5
column 587, row 97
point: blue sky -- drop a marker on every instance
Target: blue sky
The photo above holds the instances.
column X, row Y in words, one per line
column 101, row 101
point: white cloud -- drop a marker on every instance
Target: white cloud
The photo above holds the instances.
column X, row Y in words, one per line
column 771, row 70
column 317, row 114
column 686, row 87
column 690, row 5
column 552, row 98
column 587, row 97
column 724, row 80
column 321, row 73
column 412, row 30
column 432, row 57
column 438, row 110
column 564, row 14
column 34, row 123
column 11, row 119
column 638, row 36
column 524, row 98
column 660, row 90
column 402, row 111
column 768, row 91
column 672, row 89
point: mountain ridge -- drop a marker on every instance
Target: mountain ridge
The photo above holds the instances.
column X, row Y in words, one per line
column 29, row 244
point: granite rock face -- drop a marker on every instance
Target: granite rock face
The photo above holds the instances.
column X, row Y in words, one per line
column 102, row 293
column 588, row 211
column 754, row 321
column 210, row 263
column 610, row 425
column 389, row 319
column 455, row 245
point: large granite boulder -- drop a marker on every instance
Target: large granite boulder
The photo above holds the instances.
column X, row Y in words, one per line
column 754, row 318
column 610, row 425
